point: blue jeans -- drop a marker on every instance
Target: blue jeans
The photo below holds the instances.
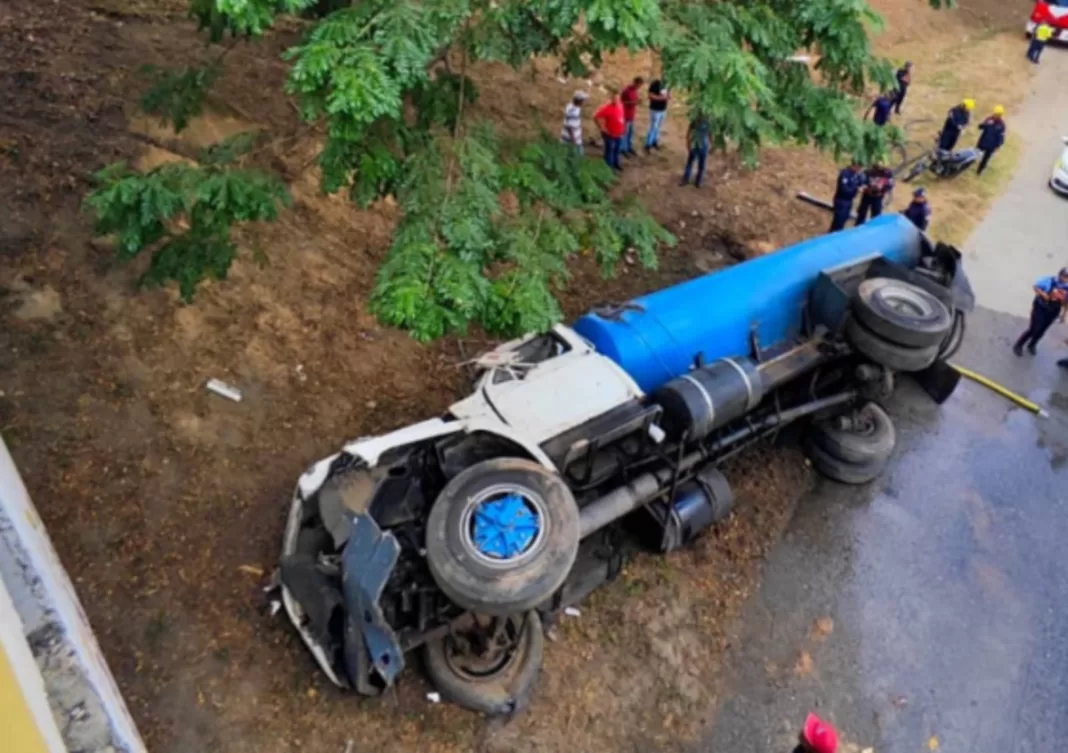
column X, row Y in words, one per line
column 698, row 156
column 628, row 138
column 656, row 122
column 611, row 151
column 1035, row 50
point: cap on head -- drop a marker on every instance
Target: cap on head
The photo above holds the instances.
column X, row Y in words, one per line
column 999, row 110
column 969, row 104
column 580, row 96
column 819, row 736
column 1063, row 274
column 908, row 63
column 920, row 193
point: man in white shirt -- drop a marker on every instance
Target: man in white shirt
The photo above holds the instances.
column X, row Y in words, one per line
column 571, row 133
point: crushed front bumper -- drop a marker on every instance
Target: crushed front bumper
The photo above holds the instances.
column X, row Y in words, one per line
column 339, row 617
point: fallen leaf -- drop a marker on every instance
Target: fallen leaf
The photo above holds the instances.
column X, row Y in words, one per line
column 868, row 750
column 932, row 743
column 312, row 692
column 251, row 570
column 824, row 626
column 804, row 664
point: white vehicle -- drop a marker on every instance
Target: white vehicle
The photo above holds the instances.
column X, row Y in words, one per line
column 1058, row 180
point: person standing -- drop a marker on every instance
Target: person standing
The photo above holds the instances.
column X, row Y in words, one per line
column 1047, row 308
column 991, row 136
column 956, row 120
column 631, row 95
column 609, row 118
column 918, row 210
column 1042, row 34
column 882, row 107
column 878, row 182
column 850, row 179
column 659, row 97
column 699, row 139
column 571, row 132
column 904, row 78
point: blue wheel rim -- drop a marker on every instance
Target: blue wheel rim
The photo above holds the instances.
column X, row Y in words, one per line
column 505, row 526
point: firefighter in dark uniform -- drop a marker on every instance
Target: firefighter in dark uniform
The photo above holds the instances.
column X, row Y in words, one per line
column 882, row 107
column 849, row 182
column 991, row 136
column 878, row 181
column 956, row 121
column 904, row 78
column 1048, row 307
column 919, row 211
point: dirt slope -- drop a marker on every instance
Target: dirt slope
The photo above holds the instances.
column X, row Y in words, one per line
column 166, row 504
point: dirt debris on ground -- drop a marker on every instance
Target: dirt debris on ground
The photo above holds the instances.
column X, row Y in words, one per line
column 166, row 503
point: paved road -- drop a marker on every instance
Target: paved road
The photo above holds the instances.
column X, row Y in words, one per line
column 946, row 582
column 1026, row 233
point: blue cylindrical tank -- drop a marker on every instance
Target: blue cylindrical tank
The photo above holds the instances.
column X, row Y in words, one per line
column 659, row 337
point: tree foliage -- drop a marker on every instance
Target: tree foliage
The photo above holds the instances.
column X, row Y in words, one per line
column 183, row 213
column 488, row 224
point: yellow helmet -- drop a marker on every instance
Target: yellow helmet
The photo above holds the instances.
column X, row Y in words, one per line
column 969, row 104
column 999, row 110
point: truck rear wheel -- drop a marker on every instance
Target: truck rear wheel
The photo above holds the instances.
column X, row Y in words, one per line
column 863, row 436
column 885, row 353
column 902, row 313
column 502, row 536
column 839, row 470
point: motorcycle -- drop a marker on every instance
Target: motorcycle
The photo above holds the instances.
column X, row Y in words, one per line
column 943, row 163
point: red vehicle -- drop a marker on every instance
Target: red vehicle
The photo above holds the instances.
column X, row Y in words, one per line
column 1051, row 12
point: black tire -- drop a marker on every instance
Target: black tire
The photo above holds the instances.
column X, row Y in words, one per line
column 865, row 436
column 902, row 313
column 511, row 583
column 841, row 471
column 495, row 688
column 915, row 170
column 892, row 356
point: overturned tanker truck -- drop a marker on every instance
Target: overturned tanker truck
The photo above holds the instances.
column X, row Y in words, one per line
column 462, row 535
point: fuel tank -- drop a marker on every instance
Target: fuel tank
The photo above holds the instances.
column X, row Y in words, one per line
column 659, row 336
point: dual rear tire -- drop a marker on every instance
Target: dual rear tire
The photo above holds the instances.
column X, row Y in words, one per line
column 898, row 325
column 852, row 448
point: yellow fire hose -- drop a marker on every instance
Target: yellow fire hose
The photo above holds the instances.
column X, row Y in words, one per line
column 1023, row 402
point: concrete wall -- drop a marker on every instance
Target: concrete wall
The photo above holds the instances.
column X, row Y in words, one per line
column 67, row 675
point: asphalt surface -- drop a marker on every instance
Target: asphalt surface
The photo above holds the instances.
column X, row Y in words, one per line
column 1023, row 236
column 929, row 610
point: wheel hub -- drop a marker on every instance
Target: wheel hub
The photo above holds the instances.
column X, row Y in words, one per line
column 504, row 527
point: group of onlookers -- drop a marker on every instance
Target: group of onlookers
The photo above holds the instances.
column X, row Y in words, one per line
column 616, row 121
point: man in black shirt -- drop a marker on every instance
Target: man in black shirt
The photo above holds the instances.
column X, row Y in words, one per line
column 659, row 97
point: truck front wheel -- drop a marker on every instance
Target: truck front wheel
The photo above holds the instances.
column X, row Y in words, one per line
column 502, row 536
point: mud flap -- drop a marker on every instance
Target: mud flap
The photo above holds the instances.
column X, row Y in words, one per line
column 366, row 564
column 939, row 380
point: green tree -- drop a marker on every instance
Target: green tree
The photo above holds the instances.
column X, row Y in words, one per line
column 489, row 223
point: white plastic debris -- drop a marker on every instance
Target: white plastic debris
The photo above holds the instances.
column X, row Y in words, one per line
column 434, row 697
column 224, row 390
column 275, row 607
column 572, row 612
column 300, row 373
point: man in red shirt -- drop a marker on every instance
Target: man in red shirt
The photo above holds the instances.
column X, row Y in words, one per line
column 611, row 121
column 630, row 97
